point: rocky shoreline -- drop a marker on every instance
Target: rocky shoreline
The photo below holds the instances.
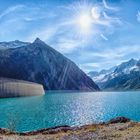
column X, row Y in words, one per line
column 119, row 128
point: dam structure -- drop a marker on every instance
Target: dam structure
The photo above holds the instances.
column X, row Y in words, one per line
column 19, row 88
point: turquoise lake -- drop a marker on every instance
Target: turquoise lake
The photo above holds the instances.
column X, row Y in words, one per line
column 54, row 109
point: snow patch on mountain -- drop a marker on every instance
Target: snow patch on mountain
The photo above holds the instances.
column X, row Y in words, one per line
column 125, row 68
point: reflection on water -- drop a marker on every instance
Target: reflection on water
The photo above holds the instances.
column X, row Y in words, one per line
column 53, row 109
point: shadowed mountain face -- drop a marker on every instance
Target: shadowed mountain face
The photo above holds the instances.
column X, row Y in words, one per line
column 37, row 62
column 125, row 76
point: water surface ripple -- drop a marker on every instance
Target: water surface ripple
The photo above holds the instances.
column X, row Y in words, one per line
column 53, row 109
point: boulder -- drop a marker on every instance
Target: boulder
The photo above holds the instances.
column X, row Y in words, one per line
column 119, row 120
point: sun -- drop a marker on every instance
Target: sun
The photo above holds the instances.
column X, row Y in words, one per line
column 86, row 19
column 85, row 22
column 83, row 18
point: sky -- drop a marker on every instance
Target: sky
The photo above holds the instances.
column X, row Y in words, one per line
column 95, row 34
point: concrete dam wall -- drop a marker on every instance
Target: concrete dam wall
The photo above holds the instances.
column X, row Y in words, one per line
column 19, row 88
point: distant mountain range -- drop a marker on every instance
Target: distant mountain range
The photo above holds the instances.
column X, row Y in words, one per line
column 38, row 62
column 125, row 76
column 12, row 44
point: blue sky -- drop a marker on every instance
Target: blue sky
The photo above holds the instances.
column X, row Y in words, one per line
column 95, row 34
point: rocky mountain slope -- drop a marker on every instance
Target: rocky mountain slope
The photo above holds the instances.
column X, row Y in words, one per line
column 38, row 62
column 13, row 44
column 125, row 76
column 101, row 76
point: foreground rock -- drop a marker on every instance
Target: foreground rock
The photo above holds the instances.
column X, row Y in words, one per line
column 119, row 120
column 111, row 131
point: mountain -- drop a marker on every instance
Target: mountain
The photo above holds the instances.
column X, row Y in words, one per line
column 13, row 44
column 38, row 62
column 101, row 77
column 125, row 76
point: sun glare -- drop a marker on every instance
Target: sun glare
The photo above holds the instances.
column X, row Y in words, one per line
column 84, row 18
column 85, row 22
column 95, row 12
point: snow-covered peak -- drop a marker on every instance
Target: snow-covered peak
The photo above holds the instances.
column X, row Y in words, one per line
column 124, row 68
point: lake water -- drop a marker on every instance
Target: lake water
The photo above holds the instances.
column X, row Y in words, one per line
column 53, row 109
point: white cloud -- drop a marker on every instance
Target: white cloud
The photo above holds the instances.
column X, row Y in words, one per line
column 109, row 7
column 45, row 33
column 106, row 58
column 11, row 9
column 112, row 20
column 104, row 37
column 65, row 45
column 138, row 16
column 87, row 67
